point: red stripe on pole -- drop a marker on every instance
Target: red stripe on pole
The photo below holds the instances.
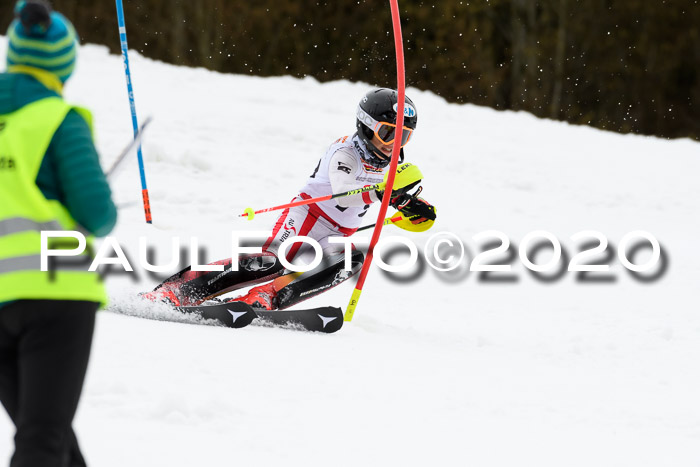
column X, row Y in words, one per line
column 147, row 206
column 401, row 89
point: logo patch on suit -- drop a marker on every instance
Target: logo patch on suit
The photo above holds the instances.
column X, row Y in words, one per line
column 371, row 169
column 359, row 149
column 344, row 168
column 288, row 230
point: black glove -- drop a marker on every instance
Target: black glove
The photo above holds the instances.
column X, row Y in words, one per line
column 400, row 200
column 417, row 209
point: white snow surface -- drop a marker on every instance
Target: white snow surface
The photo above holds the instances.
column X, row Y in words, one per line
column 443, row 370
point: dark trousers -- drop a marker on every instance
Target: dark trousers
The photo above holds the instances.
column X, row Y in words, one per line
column 44, row 351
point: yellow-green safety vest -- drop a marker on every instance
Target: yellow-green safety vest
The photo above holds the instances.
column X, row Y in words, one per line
column 25, row 135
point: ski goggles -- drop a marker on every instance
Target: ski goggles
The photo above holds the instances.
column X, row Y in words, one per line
column 384, row 131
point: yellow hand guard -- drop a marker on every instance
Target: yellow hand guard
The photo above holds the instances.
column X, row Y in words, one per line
column 407, row 176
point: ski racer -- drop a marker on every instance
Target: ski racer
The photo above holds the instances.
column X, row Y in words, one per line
column 351, row 162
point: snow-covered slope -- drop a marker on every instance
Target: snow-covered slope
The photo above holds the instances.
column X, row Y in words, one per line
column 442, row 370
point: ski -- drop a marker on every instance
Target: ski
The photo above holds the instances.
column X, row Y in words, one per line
column 326, row 319
column 233, row 314
column 291, row 288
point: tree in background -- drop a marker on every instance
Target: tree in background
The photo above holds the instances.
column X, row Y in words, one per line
column 621, row 65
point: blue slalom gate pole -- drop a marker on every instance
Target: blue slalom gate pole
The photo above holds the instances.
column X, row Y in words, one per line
column 134, row 120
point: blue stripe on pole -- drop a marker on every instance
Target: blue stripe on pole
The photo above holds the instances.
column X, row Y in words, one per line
column 130, row 90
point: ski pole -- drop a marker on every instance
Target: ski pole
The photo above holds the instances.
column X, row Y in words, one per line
column 134, row 120
column 386, row 222
column 250, row 213
column 129, row 147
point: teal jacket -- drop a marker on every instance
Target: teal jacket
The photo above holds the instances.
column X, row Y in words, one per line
column 70, row 172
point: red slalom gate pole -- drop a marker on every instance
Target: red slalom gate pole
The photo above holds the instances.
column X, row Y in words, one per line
column 401, row 89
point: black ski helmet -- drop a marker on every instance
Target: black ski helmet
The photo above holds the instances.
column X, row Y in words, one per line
column 380, row 106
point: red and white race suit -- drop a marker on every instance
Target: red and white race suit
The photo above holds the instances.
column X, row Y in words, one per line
column 341, row 169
